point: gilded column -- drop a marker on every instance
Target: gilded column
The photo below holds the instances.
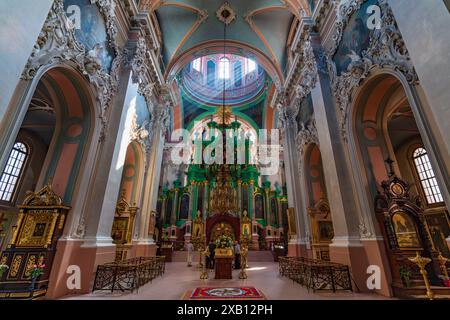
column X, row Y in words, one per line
column 173, row 219
column 205, row 199
column 239, row 197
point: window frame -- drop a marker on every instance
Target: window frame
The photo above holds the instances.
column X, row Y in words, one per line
column 225, row 68
column 21, row 175
column 418, row 179
column 197, row 63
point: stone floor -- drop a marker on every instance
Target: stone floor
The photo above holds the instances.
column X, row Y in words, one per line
column 264, row 276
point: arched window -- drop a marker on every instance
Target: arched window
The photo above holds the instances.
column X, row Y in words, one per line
column 210, row 73
column 13, row 170
column 224, row 68
column 238, row 74
column 197, row 64
column 427, row 177
column 251, row 65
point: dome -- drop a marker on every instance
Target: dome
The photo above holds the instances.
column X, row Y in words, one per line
column 204, row 80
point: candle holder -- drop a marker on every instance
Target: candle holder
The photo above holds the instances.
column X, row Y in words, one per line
column 442, row 262
column 421, row 262
column 204, row 271
column 244, row 260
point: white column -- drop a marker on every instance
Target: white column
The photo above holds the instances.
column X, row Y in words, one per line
column 151, row 188
column 102, row 201
column 293, row 184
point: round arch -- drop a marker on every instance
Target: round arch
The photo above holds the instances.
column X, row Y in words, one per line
column 233, row 47
column 133, row 173
column 386, row 89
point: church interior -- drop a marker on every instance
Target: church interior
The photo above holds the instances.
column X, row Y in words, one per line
column 255, row 150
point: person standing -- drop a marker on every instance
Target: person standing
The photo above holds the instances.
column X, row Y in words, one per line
column 190, row 251
column 212, row 253
column 237, row 255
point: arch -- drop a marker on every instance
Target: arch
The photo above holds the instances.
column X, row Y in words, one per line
column 320, row 222
column 72, row 100
column 382, row 97
column 314, row 175
column 233, row 47
column 376, row 101
column 133, row 173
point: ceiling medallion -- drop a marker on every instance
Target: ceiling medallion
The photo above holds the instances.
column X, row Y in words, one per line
column 226, row 13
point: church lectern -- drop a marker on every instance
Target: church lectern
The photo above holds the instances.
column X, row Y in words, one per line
column 224, row 263
column 40, row 224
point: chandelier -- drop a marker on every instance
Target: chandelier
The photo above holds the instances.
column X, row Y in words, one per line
column 224, row 194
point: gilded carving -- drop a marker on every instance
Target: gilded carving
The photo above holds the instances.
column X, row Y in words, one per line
column 37, row 228
column 15, row 266
column 30, row 264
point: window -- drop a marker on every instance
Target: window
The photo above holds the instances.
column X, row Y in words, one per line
column 210, row 73
column 224, row 68
column 197, row 64
column 238, row 74
column 427, row 177
column 12, row 172
column 251, row 65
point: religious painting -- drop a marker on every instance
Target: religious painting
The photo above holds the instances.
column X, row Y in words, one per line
column 221, row 229
column 91, row 30
column 119, row 230
column 439, row 228
column 355, row 39
column 274, row 207
column 39, row 229
column 326, row 232
column 200, row 197
column 169, row 210
column 284, row 216
column 184, row 207
column 5, row 223
column 405, row 231
column 244, row 197
column 246, row 225
column 259, row 206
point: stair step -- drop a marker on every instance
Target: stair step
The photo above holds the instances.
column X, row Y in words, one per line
column 253, row 256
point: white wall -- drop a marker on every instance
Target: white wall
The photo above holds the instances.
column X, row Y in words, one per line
column 21, row 22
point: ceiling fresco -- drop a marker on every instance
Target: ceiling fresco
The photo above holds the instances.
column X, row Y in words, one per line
column 262, row 24
column 190, row 29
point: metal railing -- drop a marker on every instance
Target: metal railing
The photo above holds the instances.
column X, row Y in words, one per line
column 316, row 274
column 128, row 275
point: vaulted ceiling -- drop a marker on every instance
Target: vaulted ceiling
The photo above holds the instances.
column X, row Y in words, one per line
column 264, row 25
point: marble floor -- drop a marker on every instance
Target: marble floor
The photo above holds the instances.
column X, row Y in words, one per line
column 264, row 276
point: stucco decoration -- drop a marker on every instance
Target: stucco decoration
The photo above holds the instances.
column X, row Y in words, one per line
column 304, row 139
column 57, row 44
column 386, row 50
column 226, row 14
